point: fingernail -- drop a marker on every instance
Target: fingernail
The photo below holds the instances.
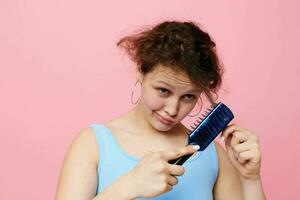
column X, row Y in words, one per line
column 222, row 139
column 196, row 147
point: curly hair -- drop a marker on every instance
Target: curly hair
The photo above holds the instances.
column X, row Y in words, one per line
column 180, row 45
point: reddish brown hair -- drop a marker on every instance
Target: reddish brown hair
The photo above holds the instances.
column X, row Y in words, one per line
column 180, row 45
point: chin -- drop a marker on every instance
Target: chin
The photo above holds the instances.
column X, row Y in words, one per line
column 159, row 125
column 163, row 128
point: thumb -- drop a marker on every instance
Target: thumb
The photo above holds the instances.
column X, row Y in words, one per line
column 228, row 141
column 176, row 153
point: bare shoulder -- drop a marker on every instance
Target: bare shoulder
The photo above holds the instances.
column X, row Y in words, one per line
column 88, row 143
column 81, row 160
column 228, row 184
column 85, row 144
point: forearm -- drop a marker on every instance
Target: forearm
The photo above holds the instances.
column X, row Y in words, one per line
column 253, row 189
column 119, row 190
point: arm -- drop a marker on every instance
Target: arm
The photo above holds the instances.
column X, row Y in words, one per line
column 119, row 190
column 253, row 189
column 78, row 177
column 242, row 150
column 228, row 185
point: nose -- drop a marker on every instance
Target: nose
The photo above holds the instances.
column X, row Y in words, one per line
column 171, row 107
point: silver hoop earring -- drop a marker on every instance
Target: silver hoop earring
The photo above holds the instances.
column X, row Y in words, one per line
column 197, row 107
column 132, row 92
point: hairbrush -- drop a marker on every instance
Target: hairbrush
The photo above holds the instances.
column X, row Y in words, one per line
column 207, row 128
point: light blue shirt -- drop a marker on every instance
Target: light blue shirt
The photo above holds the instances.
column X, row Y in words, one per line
column 196, row 183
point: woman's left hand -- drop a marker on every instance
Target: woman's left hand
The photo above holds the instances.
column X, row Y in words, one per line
column 243, row 151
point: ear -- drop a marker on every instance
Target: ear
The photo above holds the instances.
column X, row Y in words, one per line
column 139, row 75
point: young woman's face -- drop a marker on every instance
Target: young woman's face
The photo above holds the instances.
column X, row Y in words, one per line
column 167, row 97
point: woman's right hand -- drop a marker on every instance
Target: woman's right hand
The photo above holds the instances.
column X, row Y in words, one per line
column 153, row 175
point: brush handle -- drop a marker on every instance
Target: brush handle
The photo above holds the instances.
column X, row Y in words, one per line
column 180, row 160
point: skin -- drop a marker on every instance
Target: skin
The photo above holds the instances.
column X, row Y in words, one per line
column 171, row 95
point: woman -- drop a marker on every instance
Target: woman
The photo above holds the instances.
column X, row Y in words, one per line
column 127, row 157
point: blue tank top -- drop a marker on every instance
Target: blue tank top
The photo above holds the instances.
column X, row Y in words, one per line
column 196, row 183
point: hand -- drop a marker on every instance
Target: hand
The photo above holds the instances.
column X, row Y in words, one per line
column 243, row 151
column 153, row 175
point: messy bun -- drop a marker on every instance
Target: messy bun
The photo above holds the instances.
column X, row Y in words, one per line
column 182, row 46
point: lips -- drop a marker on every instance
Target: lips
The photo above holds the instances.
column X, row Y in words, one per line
column 163, row 120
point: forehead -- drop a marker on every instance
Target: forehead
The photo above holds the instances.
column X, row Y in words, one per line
column 174, row 78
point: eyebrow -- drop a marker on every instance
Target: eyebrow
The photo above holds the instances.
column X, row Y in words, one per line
column 190, row 91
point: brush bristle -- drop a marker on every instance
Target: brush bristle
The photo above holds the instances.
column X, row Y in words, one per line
column 210, row 125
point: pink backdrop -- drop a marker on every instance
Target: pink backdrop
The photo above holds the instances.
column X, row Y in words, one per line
column 58, row 64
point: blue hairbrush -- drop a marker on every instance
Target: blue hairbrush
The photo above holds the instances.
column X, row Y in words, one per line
column 207, row 129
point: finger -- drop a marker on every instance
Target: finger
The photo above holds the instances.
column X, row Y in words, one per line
column 250, row 156
column 230, row 129
column 173, row 154
column 238, row 147
column 248, row 145
column 244, row 156
column 241, row 159
column 238, row 137
column 172, row 180
column 227, row 141
column 176, row 170
column 242, row 147
column 169, row 187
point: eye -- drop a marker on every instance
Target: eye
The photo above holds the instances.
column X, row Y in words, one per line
column 189, row 97
column 163, row 90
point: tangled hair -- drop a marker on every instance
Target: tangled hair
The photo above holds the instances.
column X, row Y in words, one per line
column 183, row 46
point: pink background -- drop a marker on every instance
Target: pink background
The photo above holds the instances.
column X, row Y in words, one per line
column 60, row 71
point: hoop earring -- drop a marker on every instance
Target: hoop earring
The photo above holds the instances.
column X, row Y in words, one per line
column 135, row 102
column 197, row 107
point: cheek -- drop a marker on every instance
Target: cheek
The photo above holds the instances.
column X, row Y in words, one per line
column 152, row 101
column 185, row 109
